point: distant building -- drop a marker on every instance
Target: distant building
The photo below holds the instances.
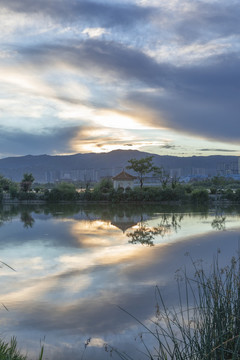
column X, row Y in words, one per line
column 123, row 180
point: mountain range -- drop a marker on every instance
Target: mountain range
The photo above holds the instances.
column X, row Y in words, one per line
column 94, row 166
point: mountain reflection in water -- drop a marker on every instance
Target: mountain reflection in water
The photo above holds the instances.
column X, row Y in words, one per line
column 76, row 264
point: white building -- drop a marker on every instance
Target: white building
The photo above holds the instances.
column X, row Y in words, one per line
column 123, row 180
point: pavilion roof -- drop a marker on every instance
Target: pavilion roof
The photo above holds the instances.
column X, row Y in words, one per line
column 123, row 175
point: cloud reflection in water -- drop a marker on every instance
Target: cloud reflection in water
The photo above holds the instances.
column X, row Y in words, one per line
column 68, row 288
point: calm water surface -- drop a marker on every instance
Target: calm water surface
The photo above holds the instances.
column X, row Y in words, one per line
column 75, row 265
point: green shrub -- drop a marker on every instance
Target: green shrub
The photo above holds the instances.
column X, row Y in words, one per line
column 199, row 196
column 13, row 190
column 22, row 195
column 104, row 186
column 237, row 195
column 61, row 192
column 229, row 195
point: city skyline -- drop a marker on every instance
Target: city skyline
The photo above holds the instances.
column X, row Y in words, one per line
column 83, row 76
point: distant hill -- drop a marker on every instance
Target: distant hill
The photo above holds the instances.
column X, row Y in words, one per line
column 96, row 165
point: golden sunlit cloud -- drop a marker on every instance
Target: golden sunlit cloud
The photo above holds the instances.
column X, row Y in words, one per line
column 107, row 139
column 25, row 291
column 104, row 256
column 117, row 120
column 32, row 83
column 96, row 233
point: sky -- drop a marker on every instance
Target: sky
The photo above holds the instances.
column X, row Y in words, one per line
column 80, row 76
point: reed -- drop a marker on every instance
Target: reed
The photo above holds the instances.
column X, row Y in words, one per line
column 205, row 325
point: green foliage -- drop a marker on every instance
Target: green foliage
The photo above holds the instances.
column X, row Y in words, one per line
column 162, row 175
column 7, row 185
column 1, row 195
column 213, row 190
column 144, row 194
column 4, row 183
column 104, row 186
column 229, row 195
column 23, row 195
column 103, row 191
column 9, row 351
column 188, row 188
column 218, row 181
column 237, row 195
column 174, row 181
column 87, row 195
column 62, row 192
column 141, row 167
column 13, row 190
column 26, row 182
column 199, row 196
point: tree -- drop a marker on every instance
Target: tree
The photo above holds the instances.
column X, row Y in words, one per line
column 26, row 182
column 104, row 186
column 67, row 191
column 141, row 167
column 4, row 183
column 162, row 175
column 218, row 182
column 175, row 181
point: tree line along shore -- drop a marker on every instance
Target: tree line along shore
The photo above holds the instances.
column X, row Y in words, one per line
column 166, row 188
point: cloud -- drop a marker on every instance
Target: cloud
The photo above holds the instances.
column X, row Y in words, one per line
column 128, row 73
column 206, row 20
column 105, row 14
column 168, row 146
column 199, row 100
column 94, row 56
column 196, row 99
column 218, row 150
column 94, row 32
column 52, row 141
column 98, row 314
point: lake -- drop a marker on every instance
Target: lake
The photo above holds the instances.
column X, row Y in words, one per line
column 73, row 268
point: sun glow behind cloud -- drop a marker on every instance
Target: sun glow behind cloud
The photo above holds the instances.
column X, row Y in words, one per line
column 126, row 68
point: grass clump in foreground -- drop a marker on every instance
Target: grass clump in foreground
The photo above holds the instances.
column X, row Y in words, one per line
column 206, row 323
column 9, row 351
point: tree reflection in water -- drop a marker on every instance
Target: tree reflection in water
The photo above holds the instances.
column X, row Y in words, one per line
column 27, row 219
column 145, row 235
column 219, row 223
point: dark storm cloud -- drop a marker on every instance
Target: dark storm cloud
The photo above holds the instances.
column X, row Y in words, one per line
column 107, row 15
column 200, row 99
column 209, row 20
column 218, row 150
column 111, row 57
column 50, row 141
column 219, row 76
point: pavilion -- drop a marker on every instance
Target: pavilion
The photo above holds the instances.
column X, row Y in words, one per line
column 123, row 180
